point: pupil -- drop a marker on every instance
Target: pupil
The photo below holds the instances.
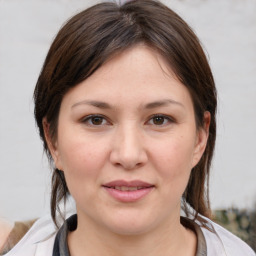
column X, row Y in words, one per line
column 97, row 120
column 158, row 120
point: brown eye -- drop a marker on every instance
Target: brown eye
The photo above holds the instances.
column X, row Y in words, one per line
column 158, row 120
column 97, row 120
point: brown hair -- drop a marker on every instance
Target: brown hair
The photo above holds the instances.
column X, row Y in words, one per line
column 94, row 35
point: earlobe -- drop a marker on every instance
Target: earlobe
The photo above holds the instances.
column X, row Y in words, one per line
column 52, row 146
column 202, row 138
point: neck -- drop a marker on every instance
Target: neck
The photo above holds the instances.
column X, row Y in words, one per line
column 167, row 240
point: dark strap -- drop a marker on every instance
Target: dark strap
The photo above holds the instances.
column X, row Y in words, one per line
column 60, row 247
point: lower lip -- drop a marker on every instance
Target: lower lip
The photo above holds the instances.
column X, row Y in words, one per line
column 128, row 196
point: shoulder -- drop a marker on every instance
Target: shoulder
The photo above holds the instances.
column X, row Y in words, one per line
column 221, row 240
column 5, row 228
column 38, row 241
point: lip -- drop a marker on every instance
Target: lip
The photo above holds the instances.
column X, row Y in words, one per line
column 128, row 195
column 132, row 183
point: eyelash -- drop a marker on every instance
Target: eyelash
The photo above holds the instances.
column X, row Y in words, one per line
column 167, row 119
column 89, row 120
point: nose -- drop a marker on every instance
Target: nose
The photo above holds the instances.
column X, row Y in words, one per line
column 128, row 149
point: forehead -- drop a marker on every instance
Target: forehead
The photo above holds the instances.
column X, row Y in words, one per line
column 136, row 75
column 137, row 60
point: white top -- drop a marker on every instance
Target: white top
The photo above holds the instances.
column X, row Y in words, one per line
column 39, row 241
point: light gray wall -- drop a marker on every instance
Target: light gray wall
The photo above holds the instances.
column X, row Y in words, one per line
column 227, row 29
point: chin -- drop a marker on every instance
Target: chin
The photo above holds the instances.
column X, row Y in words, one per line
column 130, row 229
column 131, row 224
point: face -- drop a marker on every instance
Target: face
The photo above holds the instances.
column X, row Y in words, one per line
column 127, row 141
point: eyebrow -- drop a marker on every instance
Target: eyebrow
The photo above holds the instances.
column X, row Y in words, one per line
column 162, row 103
column 151, row 105
column 97, row 104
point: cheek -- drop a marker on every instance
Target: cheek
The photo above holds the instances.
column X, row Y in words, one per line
column 173, row 160
column 177, row 153
column 82, row 162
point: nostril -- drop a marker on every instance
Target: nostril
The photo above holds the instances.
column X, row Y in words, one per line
column 128, row 164
column 128, row 150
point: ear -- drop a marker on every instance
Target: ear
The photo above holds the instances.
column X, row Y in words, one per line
column 52, row 145
column 201, row 139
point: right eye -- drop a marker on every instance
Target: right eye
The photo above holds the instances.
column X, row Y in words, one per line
column 95, row 120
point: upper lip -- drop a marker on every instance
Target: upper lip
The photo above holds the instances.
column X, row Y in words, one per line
column 132, row 183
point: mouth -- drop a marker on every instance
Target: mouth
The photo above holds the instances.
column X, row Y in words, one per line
column 128, row 191
column 124, row 188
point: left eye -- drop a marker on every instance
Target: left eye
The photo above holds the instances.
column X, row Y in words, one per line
column 160, row 120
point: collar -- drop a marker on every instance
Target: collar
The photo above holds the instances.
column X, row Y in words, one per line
column 61, row 245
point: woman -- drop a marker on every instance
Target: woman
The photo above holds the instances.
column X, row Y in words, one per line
column 125, row 105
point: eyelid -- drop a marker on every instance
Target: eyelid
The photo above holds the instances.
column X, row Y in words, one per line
column 85, row 119
column 167, row 117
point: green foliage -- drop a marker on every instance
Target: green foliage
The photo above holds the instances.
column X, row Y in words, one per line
column 242, row 223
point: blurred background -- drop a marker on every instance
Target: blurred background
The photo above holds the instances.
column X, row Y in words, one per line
column 227, row 29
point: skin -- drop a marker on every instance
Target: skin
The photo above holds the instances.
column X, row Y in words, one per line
column 127, row 142
column 5, row 229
